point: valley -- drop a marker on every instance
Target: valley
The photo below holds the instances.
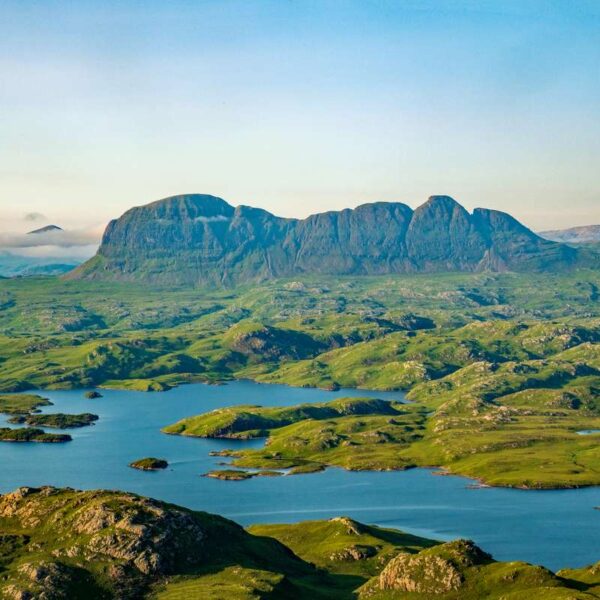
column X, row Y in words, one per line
column 501, row 370
column 327, row 396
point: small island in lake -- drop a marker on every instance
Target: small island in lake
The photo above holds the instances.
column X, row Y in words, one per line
column 93, row 394
column 149, row 464
column 32, row 434
column 56, row 421
column 239, row 475
column 14, row 404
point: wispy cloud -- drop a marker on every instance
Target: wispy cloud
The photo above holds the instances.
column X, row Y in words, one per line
column 35, row 217
column 216, row 219
column 55, row 238
column 75, row 244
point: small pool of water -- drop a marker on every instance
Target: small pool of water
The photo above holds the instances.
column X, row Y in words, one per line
column 553, row 528
column 588, row 431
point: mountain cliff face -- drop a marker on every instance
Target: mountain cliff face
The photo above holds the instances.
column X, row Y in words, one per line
column 199, row 239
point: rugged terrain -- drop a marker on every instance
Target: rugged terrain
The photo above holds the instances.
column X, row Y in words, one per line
column 59, row 544
column 502, row 370
column 200, row 239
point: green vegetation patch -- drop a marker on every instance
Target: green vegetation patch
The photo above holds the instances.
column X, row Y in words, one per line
column 354, row 433
column 343, row 545
column 242, row 422
column 102, row 545
column 56, row 421
column 233, row 583
column 149, row 464
column 505, row 365
column 21, row 403
column 32, row 434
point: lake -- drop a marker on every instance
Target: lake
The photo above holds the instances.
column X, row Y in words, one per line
column 554, row 528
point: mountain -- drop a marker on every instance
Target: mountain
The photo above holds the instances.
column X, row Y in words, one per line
column 575, row 235
column 12, row 265
column 200, row 239
column 51, row 268
column 46, row 229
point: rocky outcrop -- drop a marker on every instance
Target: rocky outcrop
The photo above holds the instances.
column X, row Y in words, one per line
column 435, row 571
column 134, row 539
column 200, row 239
column 268, row 343
column 356, row 552
column 63, row 544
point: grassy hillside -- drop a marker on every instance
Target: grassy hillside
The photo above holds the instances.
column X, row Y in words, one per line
column 509, row 424
column 101, row 545
column 503, row 369
column 385, row 332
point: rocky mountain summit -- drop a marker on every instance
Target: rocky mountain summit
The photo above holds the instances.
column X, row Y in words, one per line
column 201, row 239
column 46, row 229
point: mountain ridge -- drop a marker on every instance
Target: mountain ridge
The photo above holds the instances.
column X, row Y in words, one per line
column 582, row 234
column 201, row 239
column 45, row 229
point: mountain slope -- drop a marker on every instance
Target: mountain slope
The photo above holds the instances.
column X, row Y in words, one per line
column 199, row 239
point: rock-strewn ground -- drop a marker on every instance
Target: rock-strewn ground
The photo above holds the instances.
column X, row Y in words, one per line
column 61, row 544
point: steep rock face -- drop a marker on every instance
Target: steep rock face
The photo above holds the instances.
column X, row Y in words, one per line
column 443, row 236
column 177, row 223
column 511, row 246
column 200, row 239
column 368, row 239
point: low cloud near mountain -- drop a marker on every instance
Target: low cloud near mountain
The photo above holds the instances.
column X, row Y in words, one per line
column 76, row 243
column 60, row 238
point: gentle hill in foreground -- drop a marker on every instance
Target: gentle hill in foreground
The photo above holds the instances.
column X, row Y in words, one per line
column 201, row 239
column 101, row 545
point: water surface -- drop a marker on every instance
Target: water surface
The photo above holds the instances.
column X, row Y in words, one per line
column 553, row 528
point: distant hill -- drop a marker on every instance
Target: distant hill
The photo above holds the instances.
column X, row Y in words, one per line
column 20, row 266
column 200, row 239
column 585, row 234
column 46, row 229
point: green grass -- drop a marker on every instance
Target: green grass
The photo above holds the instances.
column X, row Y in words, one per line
column 149, row 464
column 102, row 545
column 368, row 332
column 19, row 404
column 31, row 434
column 56, row 421
column 500, row 359
column 342, row 545
column 244, row 422
column 235, row 583
column 509, row 424
column 354, row 433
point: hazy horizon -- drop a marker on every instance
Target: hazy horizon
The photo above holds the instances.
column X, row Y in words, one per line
column 299, row 107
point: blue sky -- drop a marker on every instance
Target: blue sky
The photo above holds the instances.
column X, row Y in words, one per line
column 299, row 106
